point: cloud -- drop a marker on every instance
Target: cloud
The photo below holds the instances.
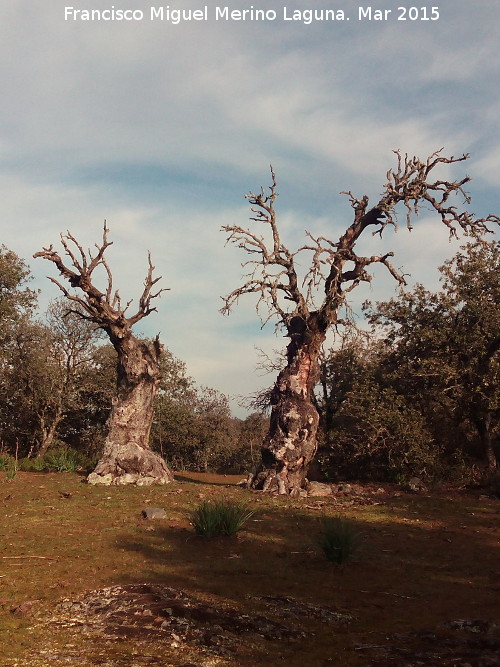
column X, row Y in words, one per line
column 161, row 129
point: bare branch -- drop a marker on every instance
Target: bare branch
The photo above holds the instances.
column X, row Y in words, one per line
column 103, row 308
column 335, row 265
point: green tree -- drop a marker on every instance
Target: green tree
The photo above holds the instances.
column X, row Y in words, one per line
column 446, row 344
column 17, row 300
column 368, row 429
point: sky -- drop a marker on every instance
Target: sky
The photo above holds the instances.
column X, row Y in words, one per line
column 161, row 128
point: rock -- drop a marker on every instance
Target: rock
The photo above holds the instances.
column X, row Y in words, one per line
column 105, row 480
column 318, row 489
column 416, row 485
column 128, row 478
column 149, row 481
column 24, row 609
column 124, row 480
column 154, row 513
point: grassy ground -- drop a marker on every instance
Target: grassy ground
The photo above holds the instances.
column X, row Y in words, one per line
column 425, row 561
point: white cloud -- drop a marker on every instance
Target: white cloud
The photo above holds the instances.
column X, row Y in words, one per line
column 161, row 129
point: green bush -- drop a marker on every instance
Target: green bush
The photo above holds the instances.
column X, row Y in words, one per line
column 63, row 459
column 32, row 465
column 220, row 518
column 59, row 459
column 7, row 462
column 338, row 539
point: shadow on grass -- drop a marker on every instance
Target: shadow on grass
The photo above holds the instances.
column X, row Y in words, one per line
column 205, row 479
column 412, row 563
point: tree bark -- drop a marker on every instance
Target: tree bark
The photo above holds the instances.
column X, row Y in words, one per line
column 127, row 457
column 49, row 432
column 291, row 443
column 484, row 428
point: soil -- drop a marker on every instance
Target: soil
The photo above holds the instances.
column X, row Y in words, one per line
column 86, row 580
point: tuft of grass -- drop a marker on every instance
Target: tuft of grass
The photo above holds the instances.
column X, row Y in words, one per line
column 10, row 465
column 338, row 539
column 220, row 518
column 7, row 462
column 63, row 459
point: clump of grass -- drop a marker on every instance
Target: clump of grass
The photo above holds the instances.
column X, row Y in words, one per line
column 6, row 462
column 63, row 459
column 219, row 518
column 338, row 539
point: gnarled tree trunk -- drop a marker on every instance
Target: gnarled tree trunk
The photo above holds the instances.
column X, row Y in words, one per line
column 272, row 276
column 291, row 442
column 127, row 457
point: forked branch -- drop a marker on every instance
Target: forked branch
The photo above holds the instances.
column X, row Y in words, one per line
column 102, row 307
column 272, row 272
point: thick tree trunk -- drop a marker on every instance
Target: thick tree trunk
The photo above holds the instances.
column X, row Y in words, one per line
column 291, row 442
column 127, row 457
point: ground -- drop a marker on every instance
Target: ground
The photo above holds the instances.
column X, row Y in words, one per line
column 85, row 580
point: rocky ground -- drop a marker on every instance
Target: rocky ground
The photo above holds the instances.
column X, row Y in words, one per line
column 171, row 628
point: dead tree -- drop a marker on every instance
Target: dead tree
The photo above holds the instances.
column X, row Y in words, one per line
column 334, row 271
column 127, row 457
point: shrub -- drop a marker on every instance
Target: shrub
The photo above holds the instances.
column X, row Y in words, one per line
column 32, row 465
column 338, row 539
column 63, row 459
column 217, row 518
column 6, row 462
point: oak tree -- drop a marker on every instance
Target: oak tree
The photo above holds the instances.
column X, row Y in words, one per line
column 127, row 457
column 446, row 345
column 337, row 269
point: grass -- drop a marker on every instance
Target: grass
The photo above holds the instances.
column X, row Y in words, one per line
column 339, row 540
column 217, row 518
column 437, row 560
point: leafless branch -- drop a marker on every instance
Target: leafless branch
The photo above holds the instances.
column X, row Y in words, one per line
column 335, row 265
column 103, row 308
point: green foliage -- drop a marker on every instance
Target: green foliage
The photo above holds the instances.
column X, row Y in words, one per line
column 338, row 539
column 9, row 465
column 6, row 461
column 219, row 518
column 58, row 459
column 63, row 459
column 370, row 431
column 32, row 465
column 444, row 350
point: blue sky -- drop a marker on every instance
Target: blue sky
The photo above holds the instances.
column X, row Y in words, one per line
column 161, row 129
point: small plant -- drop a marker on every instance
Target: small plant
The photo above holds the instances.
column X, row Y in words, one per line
column 11, row 470
column 338, row 539
column 220, row 517
column 6, row 462
column 10, row 464
column 62, row 459
column 32, row 465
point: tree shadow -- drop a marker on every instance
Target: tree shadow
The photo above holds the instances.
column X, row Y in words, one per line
column 418, row 566
column 213, row 480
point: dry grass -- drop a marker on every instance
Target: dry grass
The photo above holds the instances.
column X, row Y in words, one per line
column 424, row 561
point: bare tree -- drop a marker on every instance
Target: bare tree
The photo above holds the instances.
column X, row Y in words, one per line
column 334, row 269
column 127, row 457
